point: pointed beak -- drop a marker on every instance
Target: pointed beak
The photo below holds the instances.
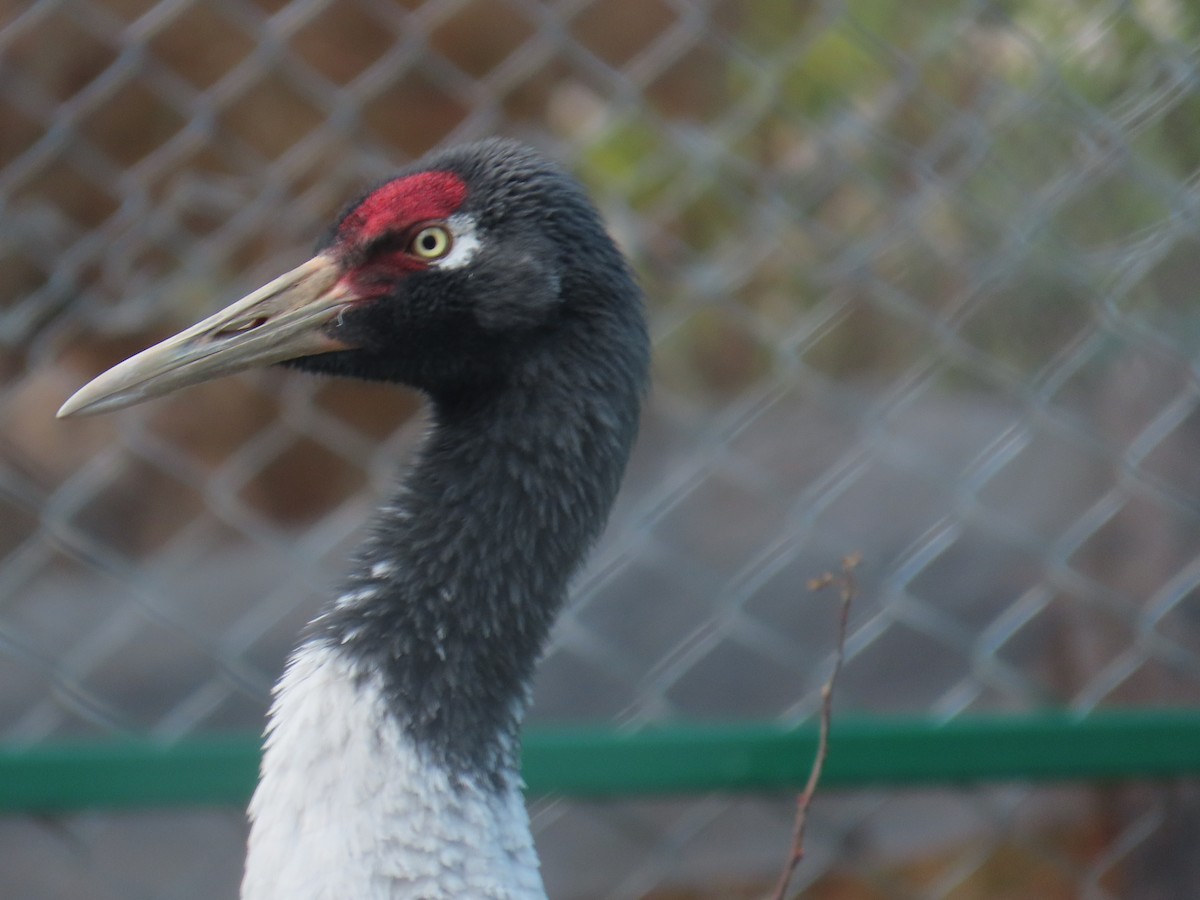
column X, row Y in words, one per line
column 282, row 320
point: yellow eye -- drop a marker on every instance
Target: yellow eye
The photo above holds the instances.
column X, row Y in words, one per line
column 431, row 242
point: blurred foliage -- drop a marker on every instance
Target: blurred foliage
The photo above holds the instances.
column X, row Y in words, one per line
column 988, row 163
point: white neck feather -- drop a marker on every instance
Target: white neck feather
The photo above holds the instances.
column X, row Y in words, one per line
column 349, row 807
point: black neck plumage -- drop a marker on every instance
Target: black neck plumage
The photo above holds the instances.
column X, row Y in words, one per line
column 455, row 592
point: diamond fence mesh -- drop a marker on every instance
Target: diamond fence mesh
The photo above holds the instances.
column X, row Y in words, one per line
column 921, row 280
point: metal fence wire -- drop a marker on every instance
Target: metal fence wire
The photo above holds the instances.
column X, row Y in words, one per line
column 922, row 284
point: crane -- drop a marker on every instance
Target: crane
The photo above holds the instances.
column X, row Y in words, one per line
column 483, row 277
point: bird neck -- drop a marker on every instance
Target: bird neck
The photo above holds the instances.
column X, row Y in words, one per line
column 454, row 595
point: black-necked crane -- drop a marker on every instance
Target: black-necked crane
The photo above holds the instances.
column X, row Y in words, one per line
column 484, row 278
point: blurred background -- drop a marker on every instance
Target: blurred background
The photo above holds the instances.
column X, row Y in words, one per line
column 922, row 286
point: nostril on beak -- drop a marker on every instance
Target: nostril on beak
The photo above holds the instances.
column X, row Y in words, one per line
column 241, row 327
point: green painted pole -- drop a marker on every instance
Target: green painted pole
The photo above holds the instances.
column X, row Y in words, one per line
column 867, row 751
column 594, row 762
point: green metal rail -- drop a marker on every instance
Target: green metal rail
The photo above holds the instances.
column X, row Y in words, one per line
column 593, row 762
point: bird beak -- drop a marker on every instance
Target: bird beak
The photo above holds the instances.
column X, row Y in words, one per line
column 282, row 320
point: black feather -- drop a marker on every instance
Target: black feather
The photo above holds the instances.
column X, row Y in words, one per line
column 534, row 358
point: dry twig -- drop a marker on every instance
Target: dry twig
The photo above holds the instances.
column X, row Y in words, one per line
column 847, row 590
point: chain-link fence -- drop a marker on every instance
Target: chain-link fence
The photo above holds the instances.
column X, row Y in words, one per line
column 921, row 278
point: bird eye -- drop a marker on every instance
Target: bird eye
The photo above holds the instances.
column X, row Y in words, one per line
column 431, row 242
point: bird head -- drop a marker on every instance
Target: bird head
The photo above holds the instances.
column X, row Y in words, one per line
column 440, row 278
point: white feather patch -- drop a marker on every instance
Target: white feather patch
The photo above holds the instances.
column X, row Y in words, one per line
column 349, row 807
column 465, row 245
column 354, row 598
column 382, row 569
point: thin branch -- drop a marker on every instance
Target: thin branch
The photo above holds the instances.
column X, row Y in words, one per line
column 847, row 591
